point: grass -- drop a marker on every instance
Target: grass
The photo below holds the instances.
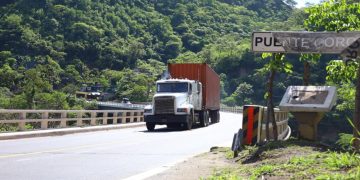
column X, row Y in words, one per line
column 8, row 127
column 262, row 170
column 225, row 174
column 14, row 127
column 293, row 159
column 341, row 161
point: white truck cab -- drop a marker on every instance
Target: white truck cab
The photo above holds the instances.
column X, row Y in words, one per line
column 174, row 103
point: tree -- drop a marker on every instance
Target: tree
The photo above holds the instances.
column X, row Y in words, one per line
column 50, row 71
column 34, row 84
column 276, row 64
column 173, row 47
column 9, row 77
column 132, row 85
column 55, row 100
column 343, row 76
column 3, row 56
column 333, row 15
column 153, row 71
column 5, row 97
column 86, row 38
column 339, row 15
column 83, row 31
column 308, row 60
column 243, row 93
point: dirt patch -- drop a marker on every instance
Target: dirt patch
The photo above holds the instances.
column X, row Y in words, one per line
column 198, row 167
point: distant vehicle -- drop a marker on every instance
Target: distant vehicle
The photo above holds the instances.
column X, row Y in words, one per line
column 125, row 101
column 192, row 95
column 90, row 92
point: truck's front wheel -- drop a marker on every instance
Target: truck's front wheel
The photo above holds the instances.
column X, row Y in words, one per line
column 150, row 126
column 189, row 122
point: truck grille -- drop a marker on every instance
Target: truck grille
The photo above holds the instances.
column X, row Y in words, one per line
column 164, row 105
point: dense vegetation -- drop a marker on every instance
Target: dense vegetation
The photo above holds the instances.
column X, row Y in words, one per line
column 50, row 48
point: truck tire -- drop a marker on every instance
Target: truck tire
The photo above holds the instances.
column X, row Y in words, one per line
column 212, row 117
column 204, row 118
column 215, row 116
column 189, row 122
column 150, row 126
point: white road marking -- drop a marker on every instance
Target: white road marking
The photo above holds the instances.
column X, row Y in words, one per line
column 25, row 159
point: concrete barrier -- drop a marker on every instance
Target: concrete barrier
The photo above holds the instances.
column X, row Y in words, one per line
column 254, row 124
column 45, row 119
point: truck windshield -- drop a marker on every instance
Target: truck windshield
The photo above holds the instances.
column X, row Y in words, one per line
column 172, row 87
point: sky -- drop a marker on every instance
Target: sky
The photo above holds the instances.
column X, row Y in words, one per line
column 301, row 3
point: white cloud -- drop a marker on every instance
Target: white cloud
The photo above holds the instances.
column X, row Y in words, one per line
column 302, row 3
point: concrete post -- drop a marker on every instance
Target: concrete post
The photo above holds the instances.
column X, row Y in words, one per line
column 141, row 116
column 131, row 117
column 105, row 117
column 22, row 116
column 308, row 122
column 44, row 121
column 63, row 120
column 115, row 116
column 93, row 119
column 123, row 117
column 79, row 119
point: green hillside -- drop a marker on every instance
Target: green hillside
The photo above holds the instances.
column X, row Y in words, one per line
column 50, row 48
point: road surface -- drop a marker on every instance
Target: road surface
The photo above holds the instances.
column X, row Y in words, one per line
column 116, row 154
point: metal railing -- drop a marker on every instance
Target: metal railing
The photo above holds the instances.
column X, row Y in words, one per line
column 235, row 109
column 44, row 119
column 122, row 105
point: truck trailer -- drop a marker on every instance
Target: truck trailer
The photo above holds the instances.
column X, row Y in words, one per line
column 191, row 95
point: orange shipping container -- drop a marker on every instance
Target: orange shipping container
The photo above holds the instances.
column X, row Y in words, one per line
column 209, row 79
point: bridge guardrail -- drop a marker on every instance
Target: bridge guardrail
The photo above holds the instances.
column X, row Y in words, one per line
column 254, row 124
column 234, row 109
column 44, row 119
column 282, row 119
column 122, row 105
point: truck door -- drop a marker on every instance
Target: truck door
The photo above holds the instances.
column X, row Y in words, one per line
column 196, row 95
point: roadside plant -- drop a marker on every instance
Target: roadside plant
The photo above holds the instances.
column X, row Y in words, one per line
column 276, row 64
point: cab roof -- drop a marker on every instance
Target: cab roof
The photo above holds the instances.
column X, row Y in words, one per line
column 174, row 80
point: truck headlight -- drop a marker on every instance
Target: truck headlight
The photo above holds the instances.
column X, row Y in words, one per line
column 181, row 110
column 147, row 110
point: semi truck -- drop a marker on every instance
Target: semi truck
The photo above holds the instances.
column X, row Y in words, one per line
column 191, row 95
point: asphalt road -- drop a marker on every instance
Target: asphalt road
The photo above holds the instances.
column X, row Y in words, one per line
column 115, row 154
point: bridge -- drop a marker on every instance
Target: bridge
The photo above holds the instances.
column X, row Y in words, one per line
column 116, row 105
column 132, row 153
column 22, row 120
column 44, row 119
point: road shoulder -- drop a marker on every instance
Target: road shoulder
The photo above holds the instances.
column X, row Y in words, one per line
column 200, row 166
